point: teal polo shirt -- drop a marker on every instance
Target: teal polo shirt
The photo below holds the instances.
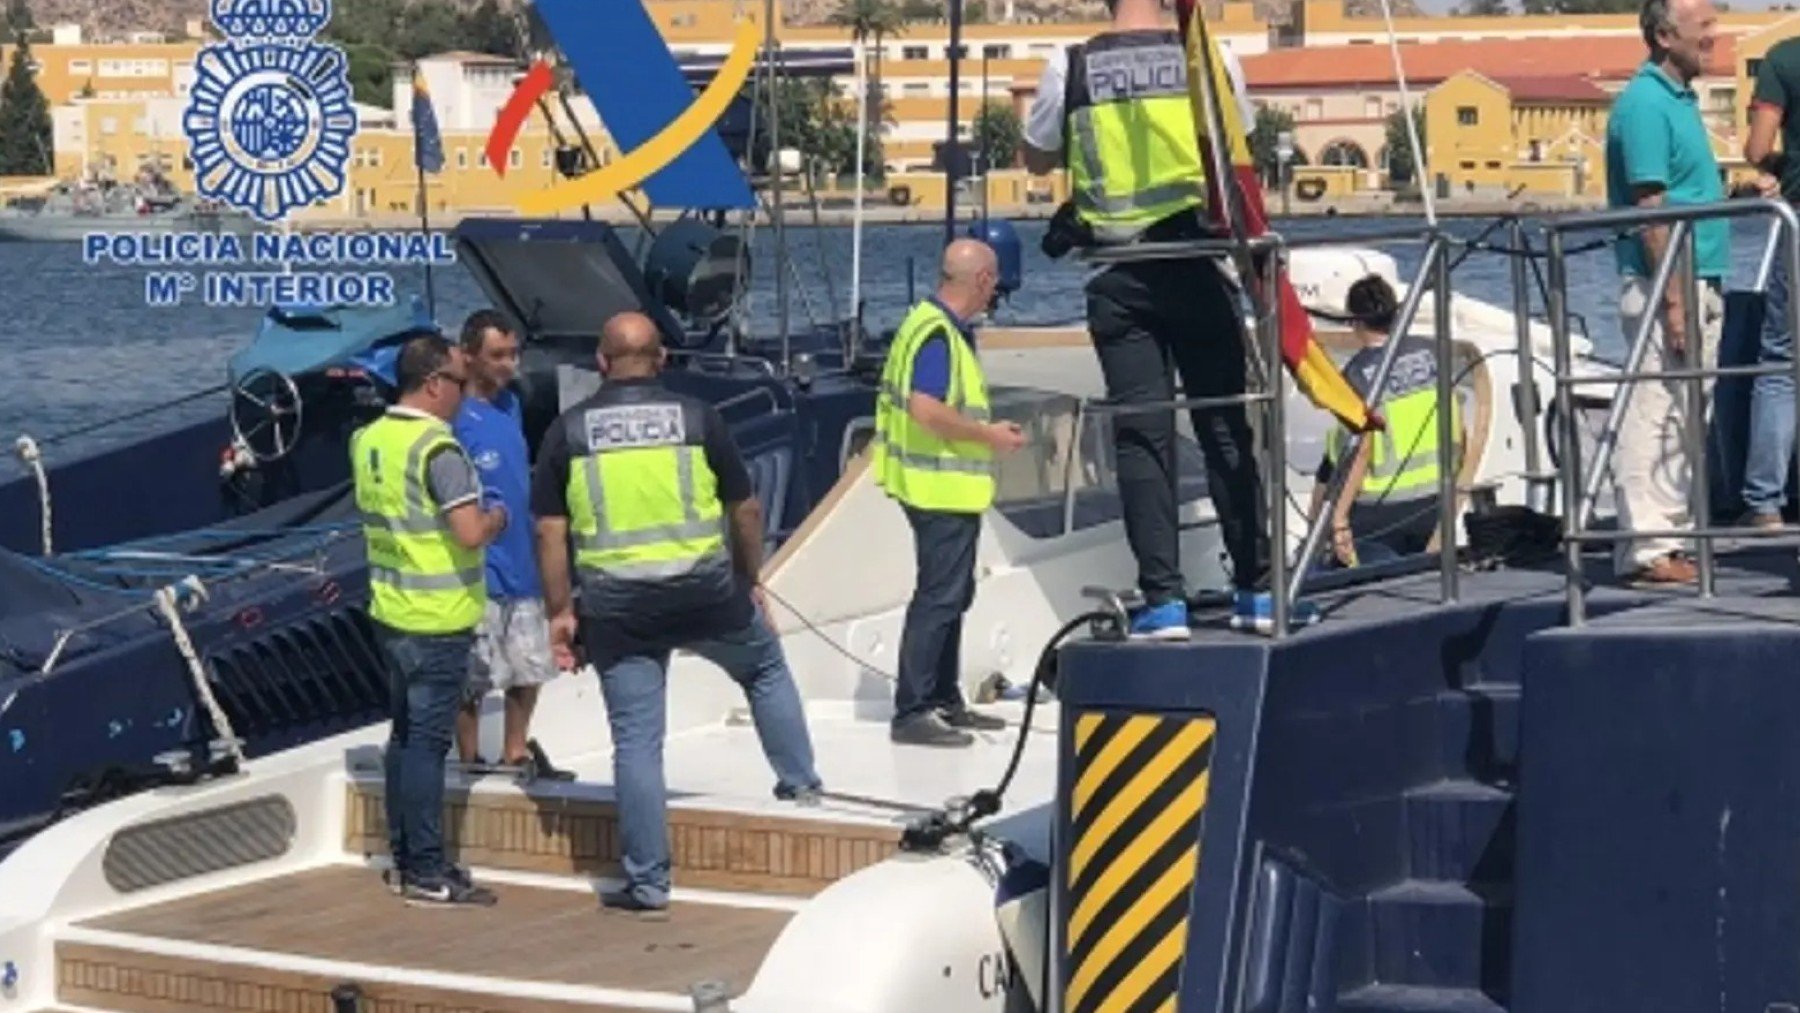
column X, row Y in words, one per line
column 1655, row 135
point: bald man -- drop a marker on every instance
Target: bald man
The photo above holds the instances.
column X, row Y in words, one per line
column 668, row 538
column 934, row 453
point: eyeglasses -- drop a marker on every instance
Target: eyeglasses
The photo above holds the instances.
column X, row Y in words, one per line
column 462, row 382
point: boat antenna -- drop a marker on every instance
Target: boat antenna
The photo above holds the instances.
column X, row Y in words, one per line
column 1412, row 122
column 772, row 78
column 856, row 218
column 952, row 145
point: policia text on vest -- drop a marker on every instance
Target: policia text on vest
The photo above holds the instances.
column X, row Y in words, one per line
column 934, row 448
column 425, row 530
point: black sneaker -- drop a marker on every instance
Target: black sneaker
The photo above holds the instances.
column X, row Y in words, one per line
column 972, row 720
column 630, row 903
column 451, row 889
column 809, row 796
column 929, row 729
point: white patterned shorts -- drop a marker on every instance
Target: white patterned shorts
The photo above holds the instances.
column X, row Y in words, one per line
column 512, row 647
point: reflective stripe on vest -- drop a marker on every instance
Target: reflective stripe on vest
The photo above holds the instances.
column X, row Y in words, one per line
column 1132, row 152
column 663, row 518
column 1403, row 462
column 912, row 463
column 420, row 579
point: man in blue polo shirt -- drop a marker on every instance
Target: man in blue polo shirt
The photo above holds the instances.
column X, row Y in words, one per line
column 935, row 456
column 1658, row 153
column 512, row 644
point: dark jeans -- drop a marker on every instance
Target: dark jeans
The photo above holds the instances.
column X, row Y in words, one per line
column 931, row 645
column 1386, row 531
column 428, row 674
column 1148, row 320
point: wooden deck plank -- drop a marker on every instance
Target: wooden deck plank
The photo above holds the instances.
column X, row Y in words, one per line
column 343, row 913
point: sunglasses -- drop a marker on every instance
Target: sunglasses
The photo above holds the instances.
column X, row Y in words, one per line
column 462, row 382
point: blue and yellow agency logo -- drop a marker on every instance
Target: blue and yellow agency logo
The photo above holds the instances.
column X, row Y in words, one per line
column 269, row 121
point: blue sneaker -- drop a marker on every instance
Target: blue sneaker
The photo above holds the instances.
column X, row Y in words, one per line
column 1255, row 610
column 1168, row 621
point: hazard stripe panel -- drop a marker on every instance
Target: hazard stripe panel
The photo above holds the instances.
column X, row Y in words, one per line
column 1140, row 784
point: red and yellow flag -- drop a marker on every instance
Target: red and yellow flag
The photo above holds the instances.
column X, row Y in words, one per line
column 1313, row 371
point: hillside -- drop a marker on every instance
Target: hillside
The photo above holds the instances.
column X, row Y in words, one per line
column 105, row 18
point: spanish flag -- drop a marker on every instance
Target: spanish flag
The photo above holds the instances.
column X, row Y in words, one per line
column 1317, row 376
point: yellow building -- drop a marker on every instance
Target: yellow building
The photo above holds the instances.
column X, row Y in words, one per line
column 72, row 67
column 1541, row 135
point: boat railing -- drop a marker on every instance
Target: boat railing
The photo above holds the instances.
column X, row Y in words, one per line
column 1580, row 493
column 1264, row 385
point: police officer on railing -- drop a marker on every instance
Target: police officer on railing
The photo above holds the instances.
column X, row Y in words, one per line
column 1115, row 112
column 668, row 537
column 425, row 528
column 934, row 453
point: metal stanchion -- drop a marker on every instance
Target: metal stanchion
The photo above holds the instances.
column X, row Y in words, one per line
column 1446, row 449
column 1699, row 498
column 1570, row 463
column 1269, row 329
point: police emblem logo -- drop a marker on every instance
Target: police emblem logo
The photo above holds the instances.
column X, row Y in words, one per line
column 626, row 427
column 269, row 120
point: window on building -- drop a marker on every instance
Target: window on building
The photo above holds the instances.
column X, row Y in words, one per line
column 682, row 20
column 1493, row 163
column 81, row 66
column 515, row 159
column 375, row 157
column 462, row 158
column 915, row 88
column 1751, row 67
column 544, row 158
column 1372, row 108
column 999, row 51
column 482, row 161
column 1537, row 150
column 914, row 53
column 108, row 125
column 1314, row 110
column 1466, row 166
column 1467, row 116
column 140, row 126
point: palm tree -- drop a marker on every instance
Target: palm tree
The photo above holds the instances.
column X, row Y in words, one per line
column 866, row 19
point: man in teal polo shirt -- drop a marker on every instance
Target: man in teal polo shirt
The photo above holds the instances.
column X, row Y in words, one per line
column 1658, row 153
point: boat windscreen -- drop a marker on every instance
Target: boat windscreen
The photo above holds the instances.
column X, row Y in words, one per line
column 561, row 288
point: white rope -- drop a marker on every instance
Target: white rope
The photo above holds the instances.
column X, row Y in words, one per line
column 28, row 452
column 1412, row 122
column 169, row 601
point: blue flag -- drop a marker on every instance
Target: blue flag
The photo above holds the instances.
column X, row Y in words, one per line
column 428, row 145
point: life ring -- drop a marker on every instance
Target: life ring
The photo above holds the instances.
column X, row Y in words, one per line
column 1311, row 188
column 900, row 196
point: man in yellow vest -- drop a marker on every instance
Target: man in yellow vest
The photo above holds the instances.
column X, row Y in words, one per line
column 1388, row 504
column 934, row 453
column 425, row 528
column 1114, row 111
column 668, row 538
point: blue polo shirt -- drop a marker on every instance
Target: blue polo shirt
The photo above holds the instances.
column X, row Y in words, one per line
column 493, row 432
column 931, row 363
column 1655, row 135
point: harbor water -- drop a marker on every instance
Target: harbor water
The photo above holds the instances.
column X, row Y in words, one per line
column 82, row 345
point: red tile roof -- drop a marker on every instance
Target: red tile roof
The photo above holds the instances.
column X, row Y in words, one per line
column 1558, row 88
column 1603, row 57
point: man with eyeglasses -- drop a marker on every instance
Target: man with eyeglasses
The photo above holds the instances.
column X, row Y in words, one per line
column 425, row 530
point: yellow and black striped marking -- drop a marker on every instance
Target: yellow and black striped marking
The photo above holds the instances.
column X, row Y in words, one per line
column 1140, row 785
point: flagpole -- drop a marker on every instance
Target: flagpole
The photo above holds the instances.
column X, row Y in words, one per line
column 425, row 230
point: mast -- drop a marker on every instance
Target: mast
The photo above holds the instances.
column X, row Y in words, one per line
column 781, row 291
column 952, row 148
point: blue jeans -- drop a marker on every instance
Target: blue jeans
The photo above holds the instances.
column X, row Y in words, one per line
column 1771, row 448
column 634, row 687
column 426, row 680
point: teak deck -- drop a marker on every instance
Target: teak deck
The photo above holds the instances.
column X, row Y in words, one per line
column 534, row 934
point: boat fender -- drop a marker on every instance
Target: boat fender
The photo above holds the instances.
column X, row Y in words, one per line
column 908, row 934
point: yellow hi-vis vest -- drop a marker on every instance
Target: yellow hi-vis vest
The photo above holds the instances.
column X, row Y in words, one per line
column 644, row 509
column 1403, row 462
column 912, row 463
column 1129, row 138
column 421, row 580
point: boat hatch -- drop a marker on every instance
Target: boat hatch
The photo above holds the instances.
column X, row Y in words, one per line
column 557, row 278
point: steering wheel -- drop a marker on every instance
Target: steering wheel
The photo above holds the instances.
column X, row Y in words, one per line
column 266, row 414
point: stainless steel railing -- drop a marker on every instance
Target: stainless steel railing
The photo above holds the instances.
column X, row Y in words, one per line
column 1579, row 496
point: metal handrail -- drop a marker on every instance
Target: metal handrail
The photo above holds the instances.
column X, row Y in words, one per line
column 1579, row 499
